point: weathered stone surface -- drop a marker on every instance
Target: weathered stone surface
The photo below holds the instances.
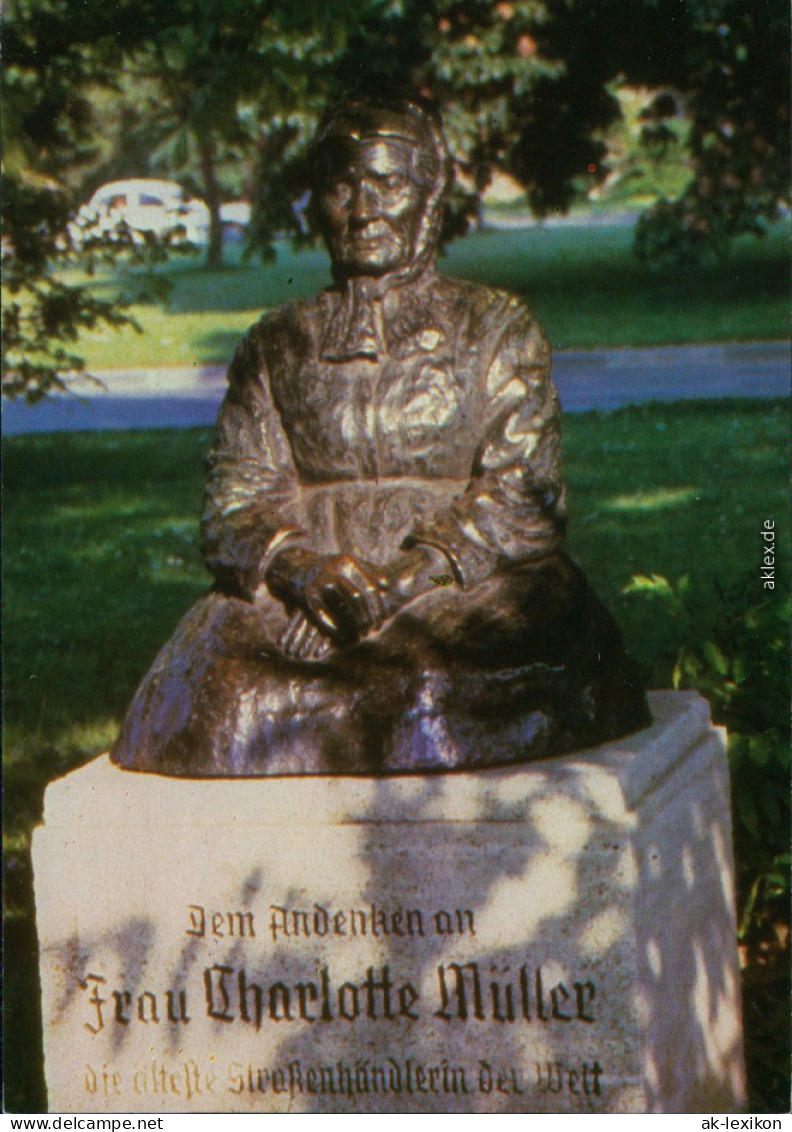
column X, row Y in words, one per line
column 557, row 937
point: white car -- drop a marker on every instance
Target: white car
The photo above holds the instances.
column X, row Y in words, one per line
column 145, row 205
column 235, row 214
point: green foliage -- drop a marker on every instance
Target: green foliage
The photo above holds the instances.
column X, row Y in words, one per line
column 647, row 150
column 187, row 84
column 518, row 83
column 42, row 315
column 226, row 82
column 737, row 95
column 45, row 128
column 670, row 235
column 531, row 86
column 53, row 56
column 226, row 96
column 733, row 647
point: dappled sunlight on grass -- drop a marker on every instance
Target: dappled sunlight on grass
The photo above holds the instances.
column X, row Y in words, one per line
column 693, row 483
column 138, row 517
column 652, row 500
column 169, row 339
column 105, row 561
column 112, row 508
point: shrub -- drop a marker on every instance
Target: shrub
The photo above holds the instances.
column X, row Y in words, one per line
column 732, row 647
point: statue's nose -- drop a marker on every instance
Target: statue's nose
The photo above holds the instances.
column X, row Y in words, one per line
column 365, row 201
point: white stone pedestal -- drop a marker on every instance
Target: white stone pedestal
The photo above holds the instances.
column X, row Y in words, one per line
column 558, row 937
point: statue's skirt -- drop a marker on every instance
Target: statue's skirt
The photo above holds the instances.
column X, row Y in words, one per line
column 525, row 665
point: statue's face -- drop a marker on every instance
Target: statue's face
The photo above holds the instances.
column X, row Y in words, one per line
column 371, row 205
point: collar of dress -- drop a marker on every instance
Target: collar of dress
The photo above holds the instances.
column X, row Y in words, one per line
column 357, row 326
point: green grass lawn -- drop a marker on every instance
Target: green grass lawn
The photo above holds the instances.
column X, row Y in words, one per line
column 102, row 559
column 584, row 283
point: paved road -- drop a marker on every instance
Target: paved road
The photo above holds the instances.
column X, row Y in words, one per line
column 609, row 379
column 586, row 379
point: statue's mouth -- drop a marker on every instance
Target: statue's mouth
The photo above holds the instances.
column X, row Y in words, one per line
column 371, row 237
column 371, row 245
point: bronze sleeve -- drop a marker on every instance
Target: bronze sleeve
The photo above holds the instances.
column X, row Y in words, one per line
column 252, row 501
column 513, row 509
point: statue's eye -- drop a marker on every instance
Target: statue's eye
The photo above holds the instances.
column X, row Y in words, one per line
column 394, row 181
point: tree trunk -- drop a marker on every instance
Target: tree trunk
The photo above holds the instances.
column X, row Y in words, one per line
column 206, row 149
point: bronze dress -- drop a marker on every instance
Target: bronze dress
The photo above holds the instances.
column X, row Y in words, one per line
column 371, row 418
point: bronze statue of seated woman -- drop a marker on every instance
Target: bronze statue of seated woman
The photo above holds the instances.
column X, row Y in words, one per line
column 385, row 517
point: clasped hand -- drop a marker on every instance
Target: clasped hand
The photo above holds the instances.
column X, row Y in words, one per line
column 332, row 600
